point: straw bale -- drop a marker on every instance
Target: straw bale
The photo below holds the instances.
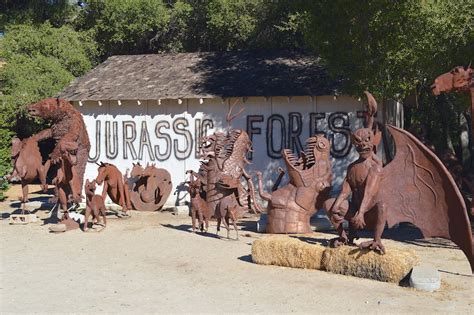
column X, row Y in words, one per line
column 303, row 251
column 393, row 266
column 287, row 251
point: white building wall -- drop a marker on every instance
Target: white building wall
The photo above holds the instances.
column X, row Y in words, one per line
column 167, row 133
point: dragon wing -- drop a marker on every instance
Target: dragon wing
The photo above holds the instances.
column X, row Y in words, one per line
column 417, row 188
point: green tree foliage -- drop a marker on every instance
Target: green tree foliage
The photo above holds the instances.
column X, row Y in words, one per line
column 397, row 48
column 39, row 61
column 135, row 26
column 57, row 12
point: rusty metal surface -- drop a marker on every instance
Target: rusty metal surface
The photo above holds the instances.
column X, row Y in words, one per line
column 149, row 187
column 227, row 187
column 95, row 205
column 291, row 207
column 28, row 164
column 72, row 146
column 113, row 184
column 414, row 187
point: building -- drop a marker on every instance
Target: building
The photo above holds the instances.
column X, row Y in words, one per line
column 154, row 108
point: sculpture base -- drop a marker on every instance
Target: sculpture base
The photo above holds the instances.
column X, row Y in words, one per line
column 22, row 218
column 290, row 251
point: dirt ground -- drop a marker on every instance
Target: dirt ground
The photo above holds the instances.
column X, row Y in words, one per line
column 152, row 263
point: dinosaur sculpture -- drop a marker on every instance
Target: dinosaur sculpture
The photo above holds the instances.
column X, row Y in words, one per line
column 222, row 171
column 149, row 187
column 291, row 207
column 95, row 205
column 28, row 164
column 414, row 187
column 113, row 186
column 67, row 127
column 459, row 79
column 199, row 207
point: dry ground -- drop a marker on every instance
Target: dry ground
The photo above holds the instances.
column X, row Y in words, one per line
column 152, row 263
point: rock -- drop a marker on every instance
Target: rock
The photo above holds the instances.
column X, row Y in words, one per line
column 57, row 228
column 425, row 278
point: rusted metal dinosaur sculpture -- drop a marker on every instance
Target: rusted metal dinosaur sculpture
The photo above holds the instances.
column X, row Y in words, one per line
column 149, row 187
column 459, row 79
column 28, row 164
column 414, row 187
column 291, row 207
column 95, row 205
column 113, row 185
column 222, row 173
column 68, row 129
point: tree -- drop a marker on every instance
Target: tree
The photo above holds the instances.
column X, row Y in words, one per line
column 39, row 62
column 126, row 27
column 397, row 48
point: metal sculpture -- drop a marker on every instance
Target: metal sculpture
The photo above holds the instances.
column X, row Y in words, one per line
column 28, row 164
column 291, row 207
column 149, row 187
column 199, row 207
column 222, row 174
column 95, row 205
column 414, row 187
column 113, row 186
column 459, row 79
column 69, row 131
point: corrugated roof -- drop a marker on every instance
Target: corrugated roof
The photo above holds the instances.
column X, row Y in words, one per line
column 203, row 75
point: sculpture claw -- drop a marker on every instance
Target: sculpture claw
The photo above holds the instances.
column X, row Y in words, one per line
column 338, row 241
column 373, row 245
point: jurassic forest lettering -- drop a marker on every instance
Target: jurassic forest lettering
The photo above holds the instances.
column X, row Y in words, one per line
column 179, row 138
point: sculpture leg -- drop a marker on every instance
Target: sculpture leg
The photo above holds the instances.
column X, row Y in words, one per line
column 42, row 172
column 379, row 216
column 86, row 218
column 206, row 220
column 200, row 217
column 24, row 190
column 62, row 198
column 193, row 218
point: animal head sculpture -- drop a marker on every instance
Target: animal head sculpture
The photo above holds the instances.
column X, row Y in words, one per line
column 103, row 172
column 300, row 170
column 49, row 108
column 137, row 170
column 363, row 141
column 459, row 78
column 89, row 187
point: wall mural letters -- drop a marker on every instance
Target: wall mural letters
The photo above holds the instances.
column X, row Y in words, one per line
column 180, row 137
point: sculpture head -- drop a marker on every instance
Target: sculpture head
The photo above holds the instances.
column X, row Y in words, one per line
column 458, row 78
column 149, row 170
column 322, row 147
column 137, row 170
column 89, row 187
column 103, row 171
column 49, row 108
column 363, row 141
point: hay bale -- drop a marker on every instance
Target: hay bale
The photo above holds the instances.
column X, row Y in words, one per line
column 390, row 267
column 303, row 251
column 287, row 251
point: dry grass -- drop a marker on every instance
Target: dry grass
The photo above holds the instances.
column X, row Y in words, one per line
column 390, row 267
column 287, row 251
column 282, row 250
